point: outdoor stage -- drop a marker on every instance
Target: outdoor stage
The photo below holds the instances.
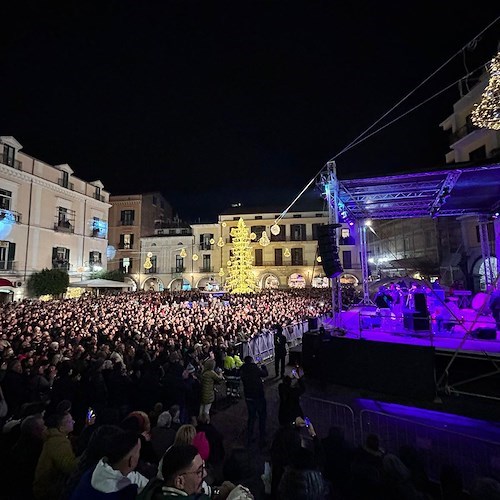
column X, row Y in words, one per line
column 382, row 354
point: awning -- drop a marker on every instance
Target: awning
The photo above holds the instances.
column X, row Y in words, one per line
column 6, row 286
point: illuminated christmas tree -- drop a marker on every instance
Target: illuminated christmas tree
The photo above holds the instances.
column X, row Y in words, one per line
column 241, row 278
column 486, row 114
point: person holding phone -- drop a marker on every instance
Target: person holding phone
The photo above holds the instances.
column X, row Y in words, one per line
column 289, row 396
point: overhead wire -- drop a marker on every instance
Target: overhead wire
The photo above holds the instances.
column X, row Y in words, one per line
column 361, row 137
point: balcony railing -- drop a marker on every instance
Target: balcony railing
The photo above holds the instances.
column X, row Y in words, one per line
column 9, row 215
column 127, row 222
column 125, row 246
column 153, row 270
column 207, row 269
column 67, row 185
column 96, row 233
column 64, row 226
column 11, row 163
column 8, row 265
column 98, row 197
column 177, row 270
column 205, row 246
column 60, row 264
column 285, row 263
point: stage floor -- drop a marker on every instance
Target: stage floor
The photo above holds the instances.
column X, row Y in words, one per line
column 393, row 331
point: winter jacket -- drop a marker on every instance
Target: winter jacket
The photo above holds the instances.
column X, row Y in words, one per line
column 208, row 379
column 85, row 491
column 251, row 376
column 57, row 461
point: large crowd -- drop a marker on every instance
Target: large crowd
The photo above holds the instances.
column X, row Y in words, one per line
column 110, row 398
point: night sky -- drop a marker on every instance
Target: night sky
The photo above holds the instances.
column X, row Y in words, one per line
column 218, row 102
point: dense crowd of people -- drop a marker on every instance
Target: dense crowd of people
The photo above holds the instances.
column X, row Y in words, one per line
column 110, row 398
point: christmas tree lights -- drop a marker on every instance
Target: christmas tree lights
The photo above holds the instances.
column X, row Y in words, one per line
column 486, row 114
column 240, row 269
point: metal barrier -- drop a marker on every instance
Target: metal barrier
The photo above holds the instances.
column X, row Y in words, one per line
column 473, row 456
column 326, row 414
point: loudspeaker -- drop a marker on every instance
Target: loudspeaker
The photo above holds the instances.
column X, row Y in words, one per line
column 420, row 302
column 328, row 250
column 312, row 324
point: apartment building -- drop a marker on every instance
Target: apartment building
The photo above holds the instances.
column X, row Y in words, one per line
column 49, row 218
column 132, row 217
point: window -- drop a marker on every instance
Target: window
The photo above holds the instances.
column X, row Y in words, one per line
column 297, row 216
column 345, row 237
column 298, row 232
column 278, row 256
column 8, row 155
column 7, row 255
column 65, row 179
column 179, row 264
column 281, row 236
column 346, row 259
column 126, row 265
column 319, row 215
column 315, row 231
column 95, row 259
column 207, row 264
column 127, row 217
column 126, row 241
column 258, row 257
column 257, row 217
column 258, row 230
column 205, row 241
column 152, row 269
column 60, row 258
column 5, row 199
column 297, row 257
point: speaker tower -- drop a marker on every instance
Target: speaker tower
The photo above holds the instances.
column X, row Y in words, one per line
column 328, row 250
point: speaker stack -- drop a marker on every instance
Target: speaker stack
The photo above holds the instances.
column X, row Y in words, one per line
column 328, row 250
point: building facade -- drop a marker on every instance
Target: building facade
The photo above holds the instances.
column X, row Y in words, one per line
column 49, row 218
column 132, row 217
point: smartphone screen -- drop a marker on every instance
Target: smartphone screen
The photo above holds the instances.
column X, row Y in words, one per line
column 307, row 421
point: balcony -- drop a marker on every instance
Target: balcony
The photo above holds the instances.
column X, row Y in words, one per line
column 153, row 270
column 10, row 162
column 67, row 185
column 98, row 197
column 8, row 265
column 205, row 246
column 125, row 246
column 64, row 226
column 269, row 263
column 60, row 264
column 9, row 216
column 97, row 233
column 127, row 222
column 207, row 269
column 177, row 270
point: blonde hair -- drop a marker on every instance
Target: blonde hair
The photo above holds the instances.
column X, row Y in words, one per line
column 185, row 434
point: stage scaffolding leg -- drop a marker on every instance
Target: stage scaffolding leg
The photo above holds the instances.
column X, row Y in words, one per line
column 364, row 264
column 489, row 276
column 332, row 196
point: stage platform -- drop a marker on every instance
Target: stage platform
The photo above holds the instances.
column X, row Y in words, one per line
column 389, row 358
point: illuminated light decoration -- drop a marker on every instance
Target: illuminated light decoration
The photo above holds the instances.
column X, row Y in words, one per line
column 486, row 114
column 264, row 240
column 275, row 230
column 7, row 220
column 195, row 257
column 318, row 258
column 229, row 263
column 287, row 252
column 220, row 242
column 253, row 236
column 147, row 263
column 183, row 252
column 224, row 224
column 110, row 252
column 241, row 277
column 221, row 272
column 212, row 241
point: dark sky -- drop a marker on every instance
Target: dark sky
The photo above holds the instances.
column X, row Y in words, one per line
column 217, row 102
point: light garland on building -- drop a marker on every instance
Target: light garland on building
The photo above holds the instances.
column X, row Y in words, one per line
column 486, row 114
column 264, row 240
column 241, row 277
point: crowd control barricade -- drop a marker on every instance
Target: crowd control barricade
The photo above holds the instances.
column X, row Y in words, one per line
column 326, row 414
column 473, row 456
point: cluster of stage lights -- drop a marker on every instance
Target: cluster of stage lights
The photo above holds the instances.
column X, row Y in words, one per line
column 445, row 194
column 344, row 215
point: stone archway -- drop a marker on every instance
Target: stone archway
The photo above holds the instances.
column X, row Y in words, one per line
column 349, row 279
column 179, row 284
column 209, row 283
column 269, row 281
column 296, row 280
column 153, row 285
column 131, row 281
column 478, row 272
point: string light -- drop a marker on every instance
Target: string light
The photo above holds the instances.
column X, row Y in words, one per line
column 264, row 240
column 220, row 242
column 275, row 229
column 287, row 252
column 486, row 114
column 183, row 252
